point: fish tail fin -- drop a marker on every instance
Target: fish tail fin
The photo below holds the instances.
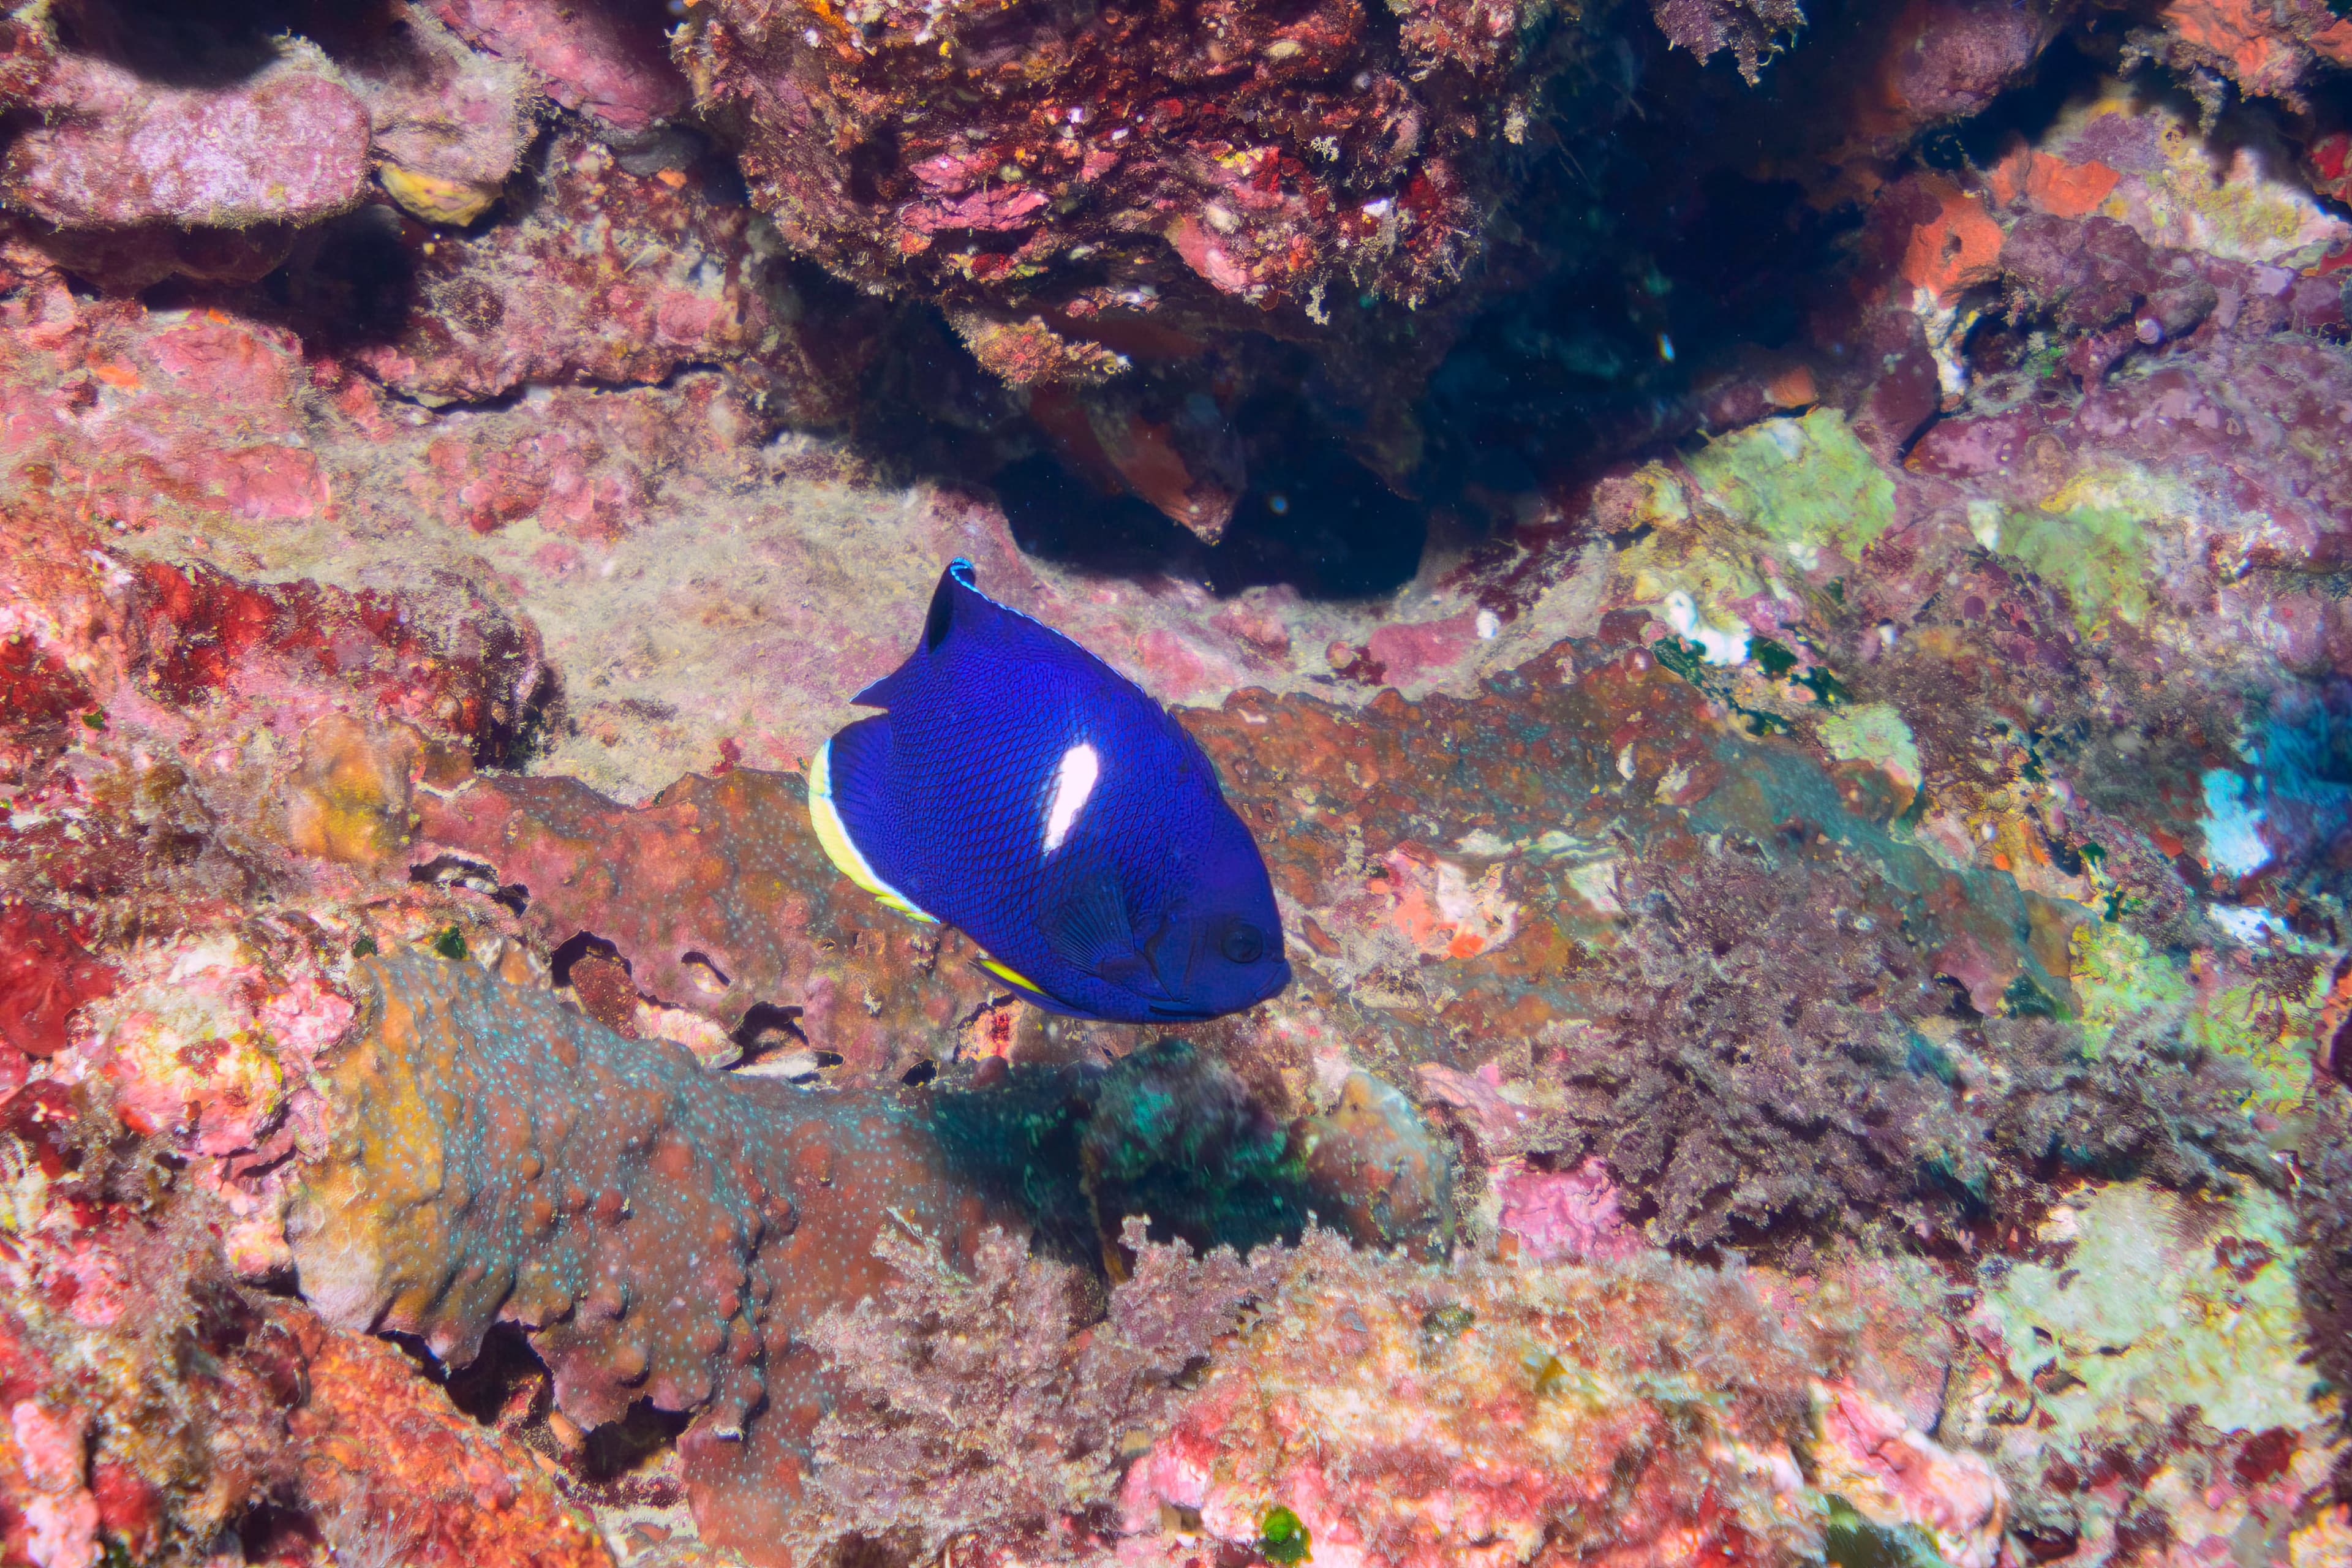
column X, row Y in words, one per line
column 848, row 806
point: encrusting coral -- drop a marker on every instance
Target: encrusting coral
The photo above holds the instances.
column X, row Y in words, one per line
column 659, row 1232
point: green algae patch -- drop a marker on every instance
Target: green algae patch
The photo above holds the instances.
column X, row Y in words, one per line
column 1804, row 484
column 2125, row 987
column 1849, row 1539
column 1875, row 733
column 1282, row 1537
column 2098, row 554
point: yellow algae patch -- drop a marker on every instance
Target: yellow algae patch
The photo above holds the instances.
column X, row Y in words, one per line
column 451, row 203
column 2125, row 986
column 1875, row 733
column 349, row 795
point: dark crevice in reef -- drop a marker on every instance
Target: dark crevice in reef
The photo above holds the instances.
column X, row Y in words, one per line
column 177, row 42
column 580, row 945
column 1169, row 1132
column 456, row 870
column 1312, row 516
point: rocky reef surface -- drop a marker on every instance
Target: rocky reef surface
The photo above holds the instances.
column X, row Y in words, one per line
column 1771, row 580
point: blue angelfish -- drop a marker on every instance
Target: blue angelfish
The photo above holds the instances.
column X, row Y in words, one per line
column 1021, row 790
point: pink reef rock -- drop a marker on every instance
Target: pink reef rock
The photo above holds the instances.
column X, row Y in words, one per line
column 289, row 145
column 608, row 277
column 1572, row 1214
column 1895, row 1476
column 1427, row 1418
column 1100, row 177
column 451, row 122
column 608, row 59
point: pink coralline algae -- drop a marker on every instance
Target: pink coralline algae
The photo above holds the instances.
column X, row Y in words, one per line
column 609, row 277
column 1889, row 1472
column 1558, row 1214
column 1629, row 1412
column 288, row 146
column 661, row 1233
column 1109, row 170
column 609, row 61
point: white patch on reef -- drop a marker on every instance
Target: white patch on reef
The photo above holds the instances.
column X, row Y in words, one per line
column 2234, row 829
column 2250, row 923
column 1074, row 781
column 1717, row 644
column 1984, row 521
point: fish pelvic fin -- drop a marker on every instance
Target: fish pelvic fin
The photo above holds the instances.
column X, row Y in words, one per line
column 1010, row 975
column 1029, row 990
column 840, row 846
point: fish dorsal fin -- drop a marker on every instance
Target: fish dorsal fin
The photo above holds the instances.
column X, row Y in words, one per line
column 941, row 619
column 938, row 622
column 1090, row 929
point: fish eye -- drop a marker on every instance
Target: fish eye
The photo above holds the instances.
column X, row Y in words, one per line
column 1241, row 943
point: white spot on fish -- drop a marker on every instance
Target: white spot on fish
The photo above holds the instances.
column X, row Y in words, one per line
column 1074, row 781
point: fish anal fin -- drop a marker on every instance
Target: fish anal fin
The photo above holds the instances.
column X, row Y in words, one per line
column 1029, row 990
column 1010, row 975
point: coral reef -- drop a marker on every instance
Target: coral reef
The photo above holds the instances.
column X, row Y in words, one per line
column 2141, row 1386
column 609, row 278
column 717, row 893
column 1633, row 1412
column 1745, row 27
column 288, row 146
column 605, row 60
column 1771, row 581
column 1101, row 170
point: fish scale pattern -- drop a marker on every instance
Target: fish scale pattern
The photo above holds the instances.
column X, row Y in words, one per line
column 661, row 1232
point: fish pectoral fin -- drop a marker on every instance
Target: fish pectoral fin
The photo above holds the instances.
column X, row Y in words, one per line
column 1089, row 927
column 1090, row 930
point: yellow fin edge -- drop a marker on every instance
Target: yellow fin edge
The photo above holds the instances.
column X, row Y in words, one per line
column 839, row 848
column 1010, row 975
